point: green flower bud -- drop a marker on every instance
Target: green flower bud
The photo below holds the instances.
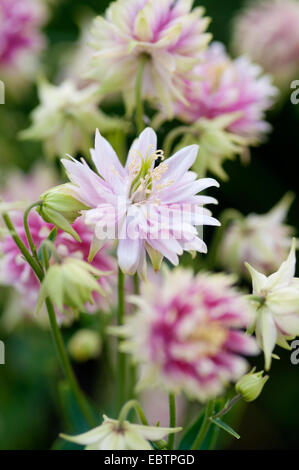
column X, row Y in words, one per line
column 70, row 283
column 85, row 345
column 250, row 386
column 60, row 208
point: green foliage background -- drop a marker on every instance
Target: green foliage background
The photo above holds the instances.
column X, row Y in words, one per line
column 30, row 404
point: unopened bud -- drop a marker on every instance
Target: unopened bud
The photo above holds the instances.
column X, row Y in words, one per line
column 84, row 345
column 60, row 208
column 250, row 386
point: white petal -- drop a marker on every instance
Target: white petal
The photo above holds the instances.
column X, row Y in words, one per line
column 286, row 272
column 105, row 159
column 180, row 162
column 259, row 280
column 128, row 254
column 146, row 144
column 267, row 335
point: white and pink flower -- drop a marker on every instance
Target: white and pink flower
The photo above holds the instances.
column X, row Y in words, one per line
column 148, row 208
column 21, row 39
column 229, row 87
column 268, row 32
column 14, row 270
column 186, row 333
column 167, row 32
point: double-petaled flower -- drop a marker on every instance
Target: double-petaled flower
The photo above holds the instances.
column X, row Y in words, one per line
column 150, row 205
column 167, row 34
column 277, row 302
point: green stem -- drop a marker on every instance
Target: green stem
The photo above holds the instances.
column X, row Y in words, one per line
column 27, row 229
column 121, row 357
column 137, row 407
column 139, row 102
column 23, row 249
column 66, row 366
column 205, row 425
column 172, row 420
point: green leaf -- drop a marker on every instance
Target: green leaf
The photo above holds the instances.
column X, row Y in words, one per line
column 225, row 427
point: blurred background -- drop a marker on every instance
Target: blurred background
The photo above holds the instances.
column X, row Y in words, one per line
column 29, row 402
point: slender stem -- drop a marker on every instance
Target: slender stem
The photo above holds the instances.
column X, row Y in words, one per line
column 172, row 420
column 137, row 407
column 205, row 426
column 228, row 407
column 67, row 368
column 121, row 357
column 139, row 102
column 66, row 365
column 27, row 229
column 23, row 249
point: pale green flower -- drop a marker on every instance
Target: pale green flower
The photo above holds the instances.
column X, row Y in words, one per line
column 66, row 118
column 277, row 306
column 84, row 345
column 70, row 283
column 114, row 435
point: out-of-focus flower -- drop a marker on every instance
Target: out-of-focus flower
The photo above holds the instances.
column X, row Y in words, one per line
column 19, row 186
column 251, row 385
column 66, row 118
column 148, row 208
column 229, row 86
column 114, row 435
column 261, row 240
column 167, row 33
column 14, row 270
column 216, row 144
column 20, row 39
column 85, row 345
column 268, row 32
column 70, row 283
column 277, row 306
column 155, row 403
column 187, row 338
column 60, row 208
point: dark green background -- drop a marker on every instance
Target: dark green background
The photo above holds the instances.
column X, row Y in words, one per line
column 29, row 403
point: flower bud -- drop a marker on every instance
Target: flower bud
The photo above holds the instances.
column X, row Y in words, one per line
column 70, row 283
column 250, row 386
column 85, row 345
column 60, row 208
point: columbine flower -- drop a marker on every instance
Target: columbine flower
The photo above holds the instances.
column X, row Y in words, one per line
column 251, row 385
column 147, row 207
column 227, row 87
column 187, row 338
column 20, row 38
column 268, row 32
column 261, row 240
column 16, row 272
column 277, row 302
column 66, row 118
column 168, row 33
column 113, row 435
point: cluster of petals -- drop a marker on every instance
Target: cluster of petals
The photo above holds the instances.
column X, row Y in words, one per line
column 168, row 33
column 277, row 302
column 235, row 87
column 189, row 338
column 150, row 207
